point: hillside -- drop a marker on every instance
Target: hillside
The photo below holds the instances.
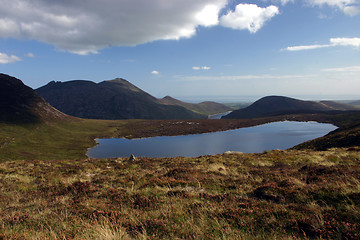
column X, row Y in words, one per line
column 207, row 107
column 340, row 106
column 115, row 99
column 347, row 136
column 278, row 105
column 21, row 104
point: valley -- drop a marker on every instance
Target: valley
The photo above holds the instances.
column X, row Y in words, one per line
column 308, row 192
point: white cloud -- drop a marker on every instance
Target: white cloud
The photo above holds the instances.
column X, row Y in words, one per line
column 248, row 16
column 347, row 42
column 307, row 47
column 201, row 68
column 354, row 42
column 209, row 16
column 4, row 58
column 155, row 72
column 84, row 27
column 349, row 7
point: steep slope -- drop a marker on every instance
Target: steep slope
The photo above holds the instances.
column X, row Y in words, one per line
column 278, row 105
column 207, row 107
column 115, row 99
column 20, row 103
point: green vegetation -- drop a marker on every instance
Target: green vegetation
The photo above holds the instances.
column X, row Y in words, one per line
column 236, row 106
column 55, row 140
column 273, row 195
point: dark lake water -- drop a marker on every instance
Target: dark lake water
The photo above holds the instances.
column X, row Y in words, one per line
column 278, row 135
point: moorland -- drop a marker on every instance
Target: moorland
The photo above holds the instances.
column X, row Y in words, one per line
column 50, row 189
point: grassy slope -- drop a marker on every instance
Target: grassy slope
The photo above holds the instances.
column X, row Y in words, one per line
column 273, row 195
column 56, row 140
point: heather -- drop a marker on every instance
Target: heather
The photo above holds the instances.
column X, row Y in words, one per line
column 289, row 194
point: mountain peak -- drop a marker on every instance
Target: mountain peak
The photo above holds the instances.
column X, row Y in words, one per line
column 122, row 83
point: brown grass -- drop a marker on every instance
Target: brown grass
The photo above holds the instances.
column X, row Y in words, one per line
column 273, row 195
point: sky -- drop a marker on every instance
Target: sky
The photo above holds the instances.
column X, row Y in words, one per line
column 194, row 50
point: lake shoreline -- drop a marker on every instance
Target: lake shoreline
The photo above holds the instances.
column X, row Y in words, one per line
column 276, row 135
column 154, row 128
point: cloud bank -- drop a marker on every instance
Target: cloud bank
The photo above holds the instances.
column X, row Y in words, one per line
column 84, row 27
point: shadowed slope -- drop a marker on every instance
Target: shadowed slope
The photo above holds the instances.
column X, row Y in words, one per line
column 20, row 103
column 115, row 99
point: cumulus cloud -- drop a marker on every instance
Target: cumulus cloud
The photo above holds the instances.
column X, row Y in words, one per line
column 201, row 68
column 155, row 72
column 347, row 42
column 349, row 7
column 84, row 27
column 248, row 16
column 4, row 58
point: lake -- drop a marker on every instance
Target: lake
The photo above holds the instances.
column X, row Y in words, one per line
column 277, row 135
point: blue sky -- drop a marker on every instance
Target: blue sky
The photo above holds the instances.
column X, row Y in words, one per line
column 222, row 50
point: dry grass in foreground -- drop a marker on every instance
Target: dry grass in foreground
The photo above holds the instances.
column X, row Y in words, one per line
column 273, row 195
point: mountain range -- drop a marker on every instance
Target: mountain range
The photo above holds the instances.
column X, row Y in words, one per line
column 119, row 99
column 279, row 105
column 114, row 99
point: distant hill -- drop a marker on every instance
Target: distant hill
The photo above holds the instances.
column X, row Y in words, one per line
column 207, row 107
column 279, row 105
column 114, row 99
column 340, row 106
column 20, row 103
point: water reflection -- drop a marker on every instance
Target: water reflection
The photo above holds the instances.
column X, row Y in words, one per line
column 279, row 135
